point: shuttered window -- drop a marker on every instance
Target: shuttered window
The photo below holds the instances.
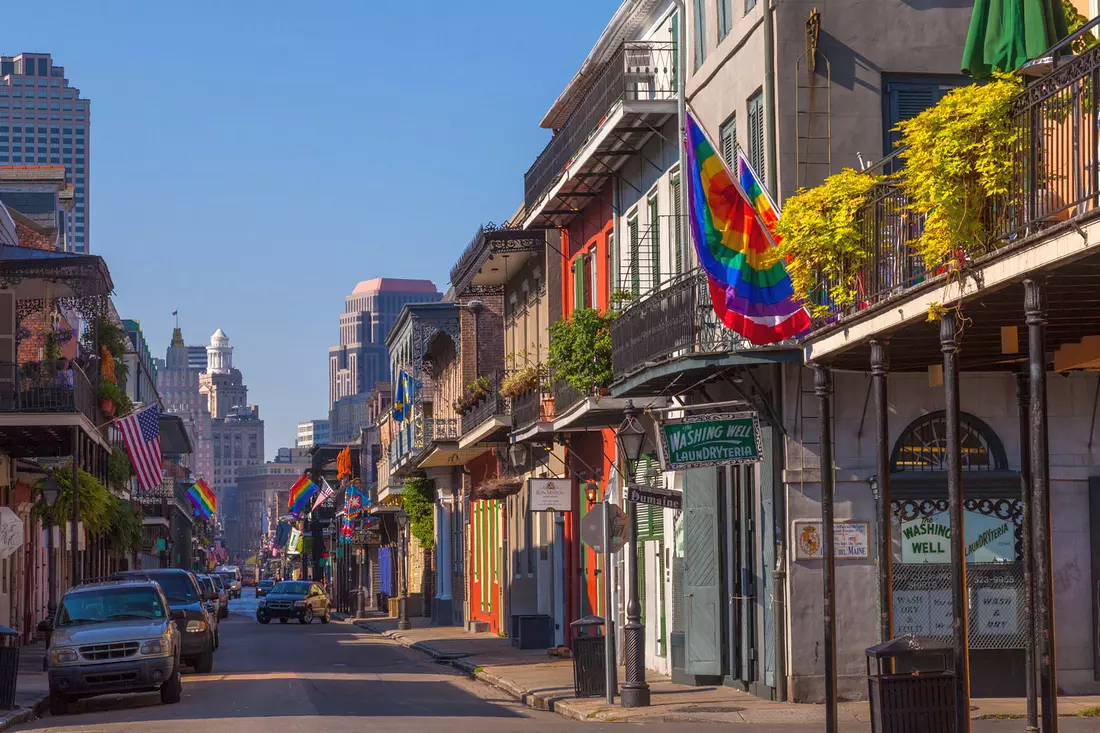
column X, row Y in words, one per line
column 700, row 34
column 578, row 282
column 655, row 240
column 725, row 18
column 749, row 5
column 590, row 279
column 756, row 136
column 651, row 519
column 727, row 139
column 906, row 96
column 635, row 255
column 677, row 223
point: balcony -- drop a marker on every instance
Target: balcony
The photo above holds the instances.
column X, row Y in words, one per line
column 671, row 334
column 633, row 95
column 532, row 413
column 38, row 400
column 1046, row 224
column 489, row 418
column 478, row 265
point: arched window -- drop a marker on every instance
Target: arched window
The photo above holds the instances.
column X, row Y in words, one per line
column 923, row 445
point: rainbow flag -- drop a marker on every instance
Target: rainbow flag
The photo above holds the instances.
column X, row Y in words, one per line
column 749, row 296
column 203, row 499
column 759, row 197
column 300, row 494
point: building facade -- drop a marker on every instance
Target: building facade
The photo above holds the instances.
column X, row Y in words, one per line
column 178, row 387
column 263, row 491
column 311, row 433
column 43, row 195
column 45, row 121
column 141, row 380
column 360, row 360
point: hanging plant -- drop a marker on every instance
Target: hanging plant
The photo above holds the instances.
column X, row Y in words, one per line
column 113, row 400
column 519, row 383
column 125, row 530
column 959, row 168
column 822, row 242
column 119, row 469
column 474, row 392
column 55, row 339
column 95, row 502
column 580, row 349
column 418, row 501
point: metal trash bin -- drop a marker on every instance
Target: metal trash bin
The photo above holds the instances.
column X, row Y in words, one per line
column 589, row 666
column 918, row 695
column 9, row 666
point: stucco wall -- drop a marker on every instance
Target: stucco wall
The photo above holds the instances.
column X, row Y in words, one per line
column 991, row 398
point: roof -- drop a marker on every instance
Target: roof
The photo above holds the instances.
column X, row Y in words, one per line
column 124, row 583
column 394, row 285
column 55, row 173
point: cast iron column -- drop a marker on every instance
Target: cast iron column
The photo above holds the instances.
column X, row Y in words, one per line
column 823, row 388
column 403, row 623
column 76, row 506
column 949, row 345
column 880, row 367
column 634, row 693
column 1022, row 394
column 1040, row 496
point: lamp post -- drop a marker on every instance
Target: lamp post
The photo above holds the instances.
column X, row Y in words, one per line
column 50, row 491
column 635, row 692
column 403, row 623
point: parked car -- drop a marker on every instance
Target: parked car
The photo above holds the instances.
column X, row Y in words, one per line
column 196, row 624
column 298, row 599
column 213, row 607
column 264, row 587
column 114, row 637
column 231, row 576
column 223, row 594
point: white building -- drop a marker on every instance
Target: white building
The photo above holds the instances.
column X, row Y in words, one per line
column 311, row 433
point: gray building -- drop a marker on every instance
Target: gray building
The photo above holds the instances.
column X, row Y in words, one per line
column 178, row 386
column 360, row 360
column 45, row 121
column 141, row 381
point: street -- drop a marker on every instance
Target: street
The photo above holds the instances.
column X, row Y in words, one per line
column 334, row 678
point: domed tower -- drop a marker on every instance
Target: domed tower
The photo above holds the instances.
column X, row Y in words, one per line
column 219, row 354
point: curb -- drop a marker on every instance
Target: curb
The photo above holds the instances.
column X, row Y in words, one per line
column 23, row 715
column 536, row 701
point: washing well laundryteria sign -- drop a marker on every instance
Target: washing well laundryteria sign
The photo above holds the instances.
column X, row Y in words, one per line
column 987, row 538
column 710, row 440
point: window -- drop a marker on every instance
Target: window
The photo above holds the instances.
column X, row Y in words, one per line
column 700, row 35
column 579, row 277
column 749, row 5
column 725, row 18
column 654, row 240
column 756, row 136
column 907, row 95
column 677, row 222
column 727, row 139
column 635, row 254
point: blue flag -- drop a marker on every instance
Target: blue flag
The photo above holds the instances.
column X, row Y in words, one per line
column 400, row 398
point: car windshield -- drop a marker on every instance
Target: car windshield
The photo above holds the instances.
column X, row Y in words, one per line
column 217, row 581
column 293, row 588
column 109, row 604
column 266, row 583
column 177, row 587
column 228, row 577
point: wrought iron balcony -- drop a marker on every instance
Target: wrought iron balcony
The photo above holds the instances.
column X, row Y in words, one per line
column 490, row 405
column 474, row 268
column 565, row 395
column 531, row 408
column 1055, row 185
column 672, row 320
column 641, row 75
column 439, row 430
column 47, row 387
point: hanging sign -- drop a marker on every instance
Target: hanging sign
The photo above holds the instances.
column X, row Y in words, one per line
column 294, row 544
column 549, row 494
column 719, row 439
column 641, row 494
column 850, row 540
column 987, row 538
column 11, row 532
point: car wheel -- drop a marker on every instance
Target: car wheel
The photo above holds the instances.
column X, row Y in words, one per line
column 327, row 617
column 306, row 617
column 204, row 664
column 172, row 689
column 263, row 619
column 59, row 704
column 284, row 620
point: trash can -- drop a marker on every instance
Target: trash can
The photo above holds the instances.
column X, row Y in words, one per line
column 589, row 666
column 9, row 666
column 918, row 693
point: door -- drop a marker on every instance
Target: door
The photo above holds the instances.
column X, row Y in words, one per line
column 701, row 573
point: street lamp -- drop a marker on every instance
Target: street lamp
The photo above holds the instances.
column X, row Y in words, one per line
column 403, row 623
column 591, row 490
column 50, row 491
column 630, row 438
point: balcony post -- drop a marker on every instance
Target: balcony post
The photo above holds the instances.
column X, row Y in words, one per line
column 949, row 344
column 1023, row 393
column 1035, row 317
column 880, row 368
column 823, row 388
column 76, row 506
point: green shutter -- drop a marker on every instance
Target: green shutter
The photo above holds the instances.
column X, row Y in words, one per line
column 756, row 136
column 655, row 241
column 635, row 257
column 727, row 139
column 578, row 282
column 677, row 224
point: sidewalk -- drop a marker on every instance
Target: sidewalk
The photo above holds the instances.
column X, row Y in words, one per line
column 32, row 687
column 547, row 684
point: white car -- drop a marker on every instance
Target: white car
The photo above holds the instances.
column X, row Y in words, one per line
column 113, row 637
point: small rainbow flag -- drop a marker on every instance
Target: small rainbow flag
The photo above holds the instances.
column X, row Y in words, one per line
column 749, row 295
column 757, row 194
column 203, row 499
column 300, row 494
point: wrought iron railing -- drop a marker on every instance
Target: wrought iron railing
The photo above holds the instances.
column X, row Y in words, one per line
column 639, row 70
column 47, row 386
column 674, row 319
column 565, row 395
column 532, row 407
column 1055, row 183
column 440, row 429
column 488, row 406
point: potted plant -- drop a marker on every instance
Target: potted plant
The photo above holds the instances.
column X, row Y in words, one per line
column 56, row 338
column 520, row 383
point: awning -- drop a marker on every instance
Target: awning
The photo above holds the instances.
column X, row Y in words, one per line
column 1004, row 34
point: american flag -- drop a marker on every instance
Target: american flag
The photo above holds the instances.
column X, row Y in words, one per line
column 325, row 492
column 141, row 435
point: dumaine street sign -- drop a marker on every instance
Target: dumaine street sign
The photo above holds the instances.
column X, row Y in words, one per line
column 718, row 439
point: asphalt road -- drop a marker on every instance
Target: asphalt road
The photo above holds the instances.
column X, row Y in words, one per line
column 337, row 679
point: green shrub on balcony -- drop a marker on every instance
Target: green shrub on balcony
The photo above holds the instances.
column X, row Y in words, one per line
column 580, row 349
column 474, row 392
column 96, row 502
column 822, row 241
column 959, row 167
column 124, row 530
column 418, row 501
column 119, row 469
column 520, row 383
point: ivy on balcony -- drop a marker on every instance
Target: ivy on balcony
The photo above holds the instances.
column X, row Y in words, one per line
column 580, row 349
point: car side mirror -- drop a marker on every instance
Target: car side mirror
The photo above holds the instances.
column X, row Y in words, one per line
column 179, row 614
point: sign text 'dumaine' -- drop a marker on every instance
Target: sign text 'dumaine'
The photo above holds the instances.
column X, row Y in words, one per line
column 710, row 440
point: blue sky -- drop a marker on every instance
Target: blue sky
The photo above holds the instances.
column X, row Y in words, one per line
column 251, row 161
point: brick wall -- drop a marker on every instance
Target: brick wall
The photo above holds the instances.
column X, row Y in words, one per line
column 29, row 237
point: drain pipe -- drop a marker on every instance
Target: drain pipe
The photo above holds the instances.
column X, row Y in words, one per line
column 681, row 113
column 771, row 175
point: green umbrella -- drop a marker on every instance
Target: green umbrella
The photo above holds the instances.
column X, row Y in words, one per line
column 1006, row 33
